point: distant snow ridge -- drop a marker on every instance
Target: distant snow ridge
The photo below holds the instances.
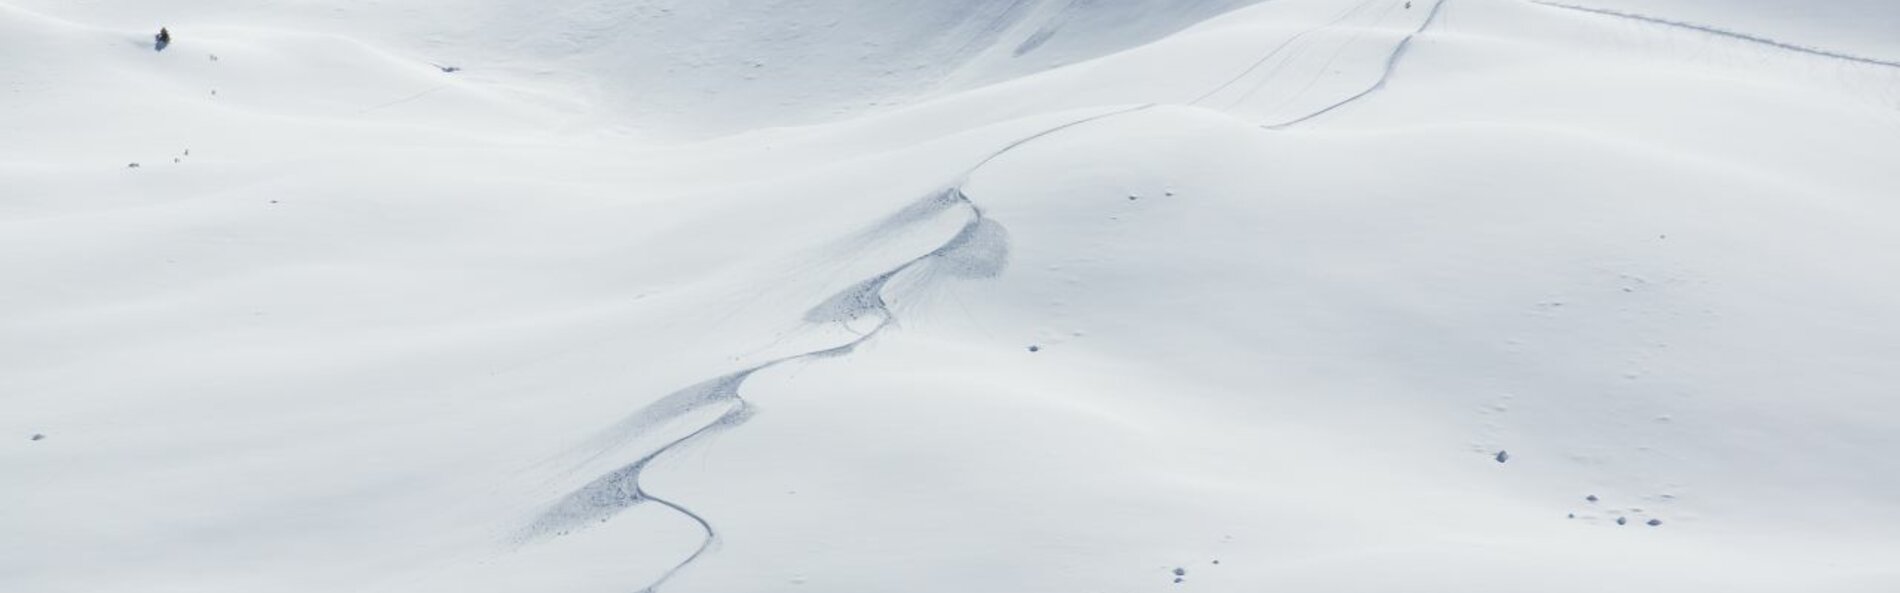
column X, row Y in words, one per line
column 730, row 66
column 980, row 249
column 1723, row 33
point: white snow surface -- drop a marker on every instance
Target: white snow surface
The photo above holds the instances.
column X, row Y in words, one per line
column 1011, row 296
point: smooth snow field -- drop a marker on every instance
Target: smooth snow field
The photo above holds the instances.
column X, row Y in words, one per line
column 950, row 296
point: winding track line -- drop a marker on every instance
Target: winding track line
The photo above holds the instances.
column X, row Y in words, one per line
column 620, row 489
column 1391, row 64
column 1357, row 34
column 1720, row 32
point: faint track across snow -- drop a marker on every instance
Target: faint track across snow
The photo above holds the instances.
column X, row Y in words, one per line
column 1720, row 32
column 1391, row 65
column 1290, row 40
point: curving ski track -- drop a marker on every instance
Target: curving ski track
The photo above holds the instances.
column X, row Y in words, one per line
column 978, row 250
column 1723, row 33
column 1391, row 64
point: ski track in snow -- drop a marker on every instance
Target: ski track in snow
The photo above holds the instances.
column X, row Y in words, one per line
column 1319, row 73
column 1720, row 32
column 1274, row 52
column 1391, row 64
column 980, row 249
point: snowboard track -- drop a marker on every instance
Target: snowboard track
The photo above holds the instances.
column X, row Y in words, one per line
column 978, row 250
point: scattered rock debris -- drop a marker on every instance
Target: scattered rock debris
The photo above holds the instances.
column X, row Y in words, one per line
column 1503, row 456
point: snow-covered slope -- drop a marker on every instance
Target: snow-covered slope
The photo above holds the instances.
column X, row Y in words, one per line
column 1318, row 295
column 695, row 67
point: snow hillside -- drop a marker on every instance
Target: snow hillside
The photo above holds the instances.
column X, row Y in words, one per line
column 1024, row 296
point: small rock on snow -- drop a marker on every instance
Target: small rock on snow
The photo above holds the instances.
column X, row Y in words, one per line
column 37, row 437
column 1654, row 522
column 1503, row 456
column 1178, row 571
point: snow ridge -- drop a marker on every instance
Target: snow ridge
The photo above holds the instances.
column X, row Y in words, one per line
column 1751, row 38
